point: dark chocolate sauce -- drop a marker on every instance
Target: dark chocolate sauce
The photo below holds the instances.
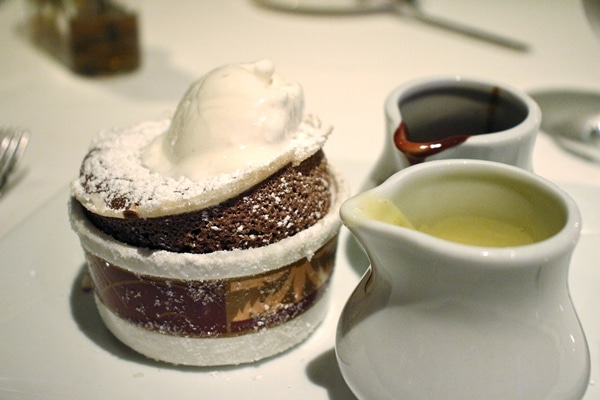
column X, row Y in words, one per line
column 417, row 152
column 420, row 136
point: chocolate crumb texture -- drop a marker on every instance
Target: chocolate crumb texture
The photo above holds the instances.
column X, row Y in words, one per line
column 289, row 201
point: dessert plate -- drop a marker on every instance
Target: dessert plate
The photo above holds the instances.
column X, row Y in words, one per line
column 328, row 6
column 53, row 344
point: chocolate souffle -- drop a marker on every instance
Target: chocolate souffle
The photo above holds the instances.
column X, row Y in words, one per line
column 287, row 202
column 211, row 236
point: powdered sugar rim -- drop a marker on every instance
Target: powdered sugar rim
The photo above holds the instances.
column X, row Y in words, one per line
column 116, row 164
column 219, row 264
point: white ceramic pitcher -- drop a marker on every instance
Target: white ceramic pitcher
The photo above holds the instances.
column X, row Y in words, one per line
column 462, row 117
column 436, row 319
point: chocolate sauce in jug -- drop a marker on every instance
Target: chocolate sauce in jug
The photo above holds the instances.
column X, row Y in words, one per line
column 425, row 130
column 417, row 152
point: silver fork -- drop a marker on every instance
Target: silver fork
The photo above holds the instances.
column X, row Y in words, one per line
column 13, row 142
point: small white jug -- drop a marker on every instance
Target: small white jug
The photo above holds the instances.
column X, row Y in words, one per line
column 445, row 117
column 433, row 318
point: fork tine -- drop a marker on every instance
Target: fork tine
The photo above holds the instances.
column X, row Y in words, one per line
column 13, row 145
column 4, row 142
column 7, row 144
column 21, row 143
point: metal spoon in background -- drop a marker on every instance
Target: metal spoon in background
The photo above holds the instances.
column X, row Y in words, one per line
column 405, row 8
column 572, row 119
column 411, row 9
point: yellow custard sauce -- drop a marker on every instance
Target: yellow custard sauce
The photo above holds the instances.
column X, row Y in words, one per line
column 472, row 230
column 478, row 231
column 383, row 210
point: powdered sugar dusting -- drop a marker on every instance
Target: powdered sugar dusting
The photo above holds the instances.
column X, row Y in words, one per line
column 113, row 180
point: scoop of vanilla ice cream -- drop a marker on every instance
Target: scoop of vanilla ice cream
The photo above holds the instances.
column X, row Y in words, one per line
column 235, row 117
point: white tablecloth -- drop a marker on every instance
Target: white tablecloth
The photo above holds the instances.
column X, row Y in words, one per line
column 346, row 63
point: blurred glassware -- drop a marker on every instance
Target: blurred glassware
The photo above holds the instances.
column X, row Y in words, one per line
column 91, row 37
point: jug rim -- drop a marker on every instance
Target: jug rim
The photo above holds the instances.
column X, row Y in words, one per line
column 561, row 241
column 531, row 121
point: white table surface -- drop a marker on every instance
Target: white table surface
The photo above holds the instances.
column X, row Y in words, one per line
column 346, row 63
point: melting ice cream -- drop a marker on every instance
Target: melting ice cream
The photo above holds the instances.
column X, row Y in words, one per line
column 235, row 117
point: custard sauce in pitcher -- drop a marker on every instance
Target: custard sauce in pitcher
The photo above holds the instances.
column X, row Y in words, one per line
column 466, row 229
